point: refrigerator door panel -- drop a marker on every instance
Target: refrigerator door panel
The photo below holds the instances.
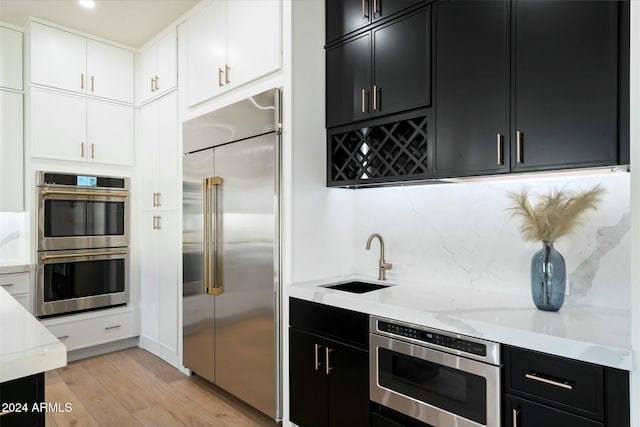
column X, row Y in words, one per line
column 245, row 329
column 198, row 307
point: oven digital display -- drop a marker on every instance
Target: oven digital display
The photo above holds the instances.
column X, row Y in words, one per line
column 87, row 181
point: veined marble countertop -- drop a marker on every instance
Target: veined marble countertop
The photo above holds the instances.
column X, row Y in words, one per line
column 9, row 268
column 26, row 346
column 588, row 333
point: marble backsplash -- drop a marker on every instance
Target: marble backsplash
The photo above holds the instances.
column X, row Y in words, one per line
column 14, row 238
column 462, row 235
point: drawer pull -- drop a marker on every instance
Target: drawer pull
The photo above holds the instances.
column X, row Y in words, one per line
column 111, row 327
column 317, row 362
column 64, row 337
column 515, row 413
column 536, row 377
column 328, row 368
column 3, row 413
column 6, row 285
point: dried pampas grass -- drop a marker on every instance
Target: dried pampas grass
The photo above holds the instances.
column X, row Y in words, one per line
column 555, row 215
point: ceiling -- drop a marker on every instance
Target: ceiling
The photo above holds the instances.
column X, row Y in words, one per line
column 130, row 22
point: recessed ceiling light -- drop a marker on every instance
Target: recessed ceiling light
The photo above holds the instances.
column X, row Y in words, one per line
column 89, row 4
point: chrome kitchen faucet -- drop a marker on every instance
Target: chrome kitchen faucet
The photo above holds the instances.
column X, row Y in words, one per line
column 383, row 266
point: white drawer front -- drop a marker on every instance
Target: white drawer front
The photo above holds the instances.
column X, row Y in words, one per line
column 15, row 283
column 89, row 332
column 24, row 301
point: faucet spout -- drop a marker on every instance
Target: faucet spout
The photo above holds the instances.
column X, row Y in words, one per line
column 383, row 266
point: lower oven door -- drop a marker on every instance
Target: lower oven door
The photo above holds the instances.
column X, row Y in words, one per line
column 69, row 281
column 434, row 387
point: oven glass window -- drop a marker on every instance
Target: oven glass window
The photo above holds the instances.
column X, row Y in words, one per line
column 68, row 218
column 453, row 390
column 82, row 279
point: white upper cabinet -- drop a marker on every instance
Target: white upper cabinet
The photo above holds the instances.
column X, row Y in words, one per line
column 157, row 68
column 229, row 43
column 67, row 61
column 71, row 127
column 11, row 152
column 10, row 59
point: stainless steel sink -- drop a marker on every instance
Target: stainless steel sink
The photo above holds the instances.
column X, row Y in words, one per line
column 357, row 287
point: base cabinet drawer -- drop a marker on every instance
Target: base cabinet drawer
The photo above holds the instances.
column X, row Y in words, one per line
column 15, row 283
column 93, row 331
column 523, row 413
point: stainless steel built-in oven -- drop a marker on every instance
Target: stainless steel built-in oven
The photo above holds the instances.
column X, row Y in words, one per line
column 440, row 378
column 83, row 239
column 81, row 279
column 79, row 211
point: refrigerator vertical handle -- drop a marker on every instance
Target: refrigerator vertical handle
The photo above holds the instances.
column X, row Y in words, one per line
column 212, row 274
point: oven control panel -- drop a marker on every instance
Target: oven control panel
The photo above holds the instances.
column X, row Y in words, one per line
column 435, row 338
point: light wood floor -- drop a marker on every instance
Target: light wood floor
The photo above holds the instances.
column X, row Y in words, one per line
column 133, row 388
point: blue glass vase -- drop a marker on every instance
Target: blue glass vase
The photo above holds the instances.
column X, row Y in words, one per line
column 548, row 278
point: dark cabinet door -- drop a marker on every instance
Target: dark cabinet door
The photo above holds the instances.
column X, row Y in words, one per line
column 524, row 413
column 21, row 396
column 384, row 8
column 565, row 84
column 345, row 16
column 401, row 64
column 308, row 380
column 471, row 87
column 348, row 81
column 348, row 378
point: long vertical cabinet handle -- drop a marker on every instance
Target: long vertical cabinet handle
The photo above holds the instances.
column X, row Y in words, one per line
column 82, row 150
column 327, row 365
column 515, row 413
column 93, row 151
column 375, row 7
column 157, row 80
column 159, row 200
column 364, row 92
column 364, row 15
column 82, row 81
column 499, row 148
column 159, row 223
column 152, row 84
column 316, row 356
column 220, row 72
column 212, row 229
column 375, row 97
column 91, row 83
column 227, row 79
column 519, row 146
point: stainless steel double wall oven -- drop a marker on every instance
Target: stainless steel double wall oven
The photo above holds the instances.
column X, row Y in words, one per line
column 83, row 243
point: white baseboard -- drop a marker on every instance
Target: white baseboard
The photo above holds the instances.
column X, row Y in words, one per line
column 97, row 350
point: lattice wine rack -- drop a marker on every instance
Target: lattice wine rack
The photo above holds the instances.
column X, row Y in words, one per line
column 377, row 154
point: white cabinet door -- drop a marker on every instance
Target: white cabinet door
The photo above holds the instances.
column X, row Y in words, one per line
column 149, row 277
column 11, row 152
column 167, row 71
column 58, row 58
column 109, row 71
column 150, row 137
column 206, row 53
column 10, row 59
column 253, row 39
column 168, row 281
column 110, row 133
column 146, row 69
column 58, row 126
column 168, row 152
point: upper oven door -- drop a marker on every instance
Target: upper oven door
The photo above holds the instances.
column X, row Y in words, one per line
column 70, row 218
column 432, row 386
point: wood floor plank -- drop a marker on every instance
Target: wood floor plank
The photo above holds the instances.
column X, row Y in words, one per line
column 157, row 416
column 154, row 364
column 78, row 416
column 51, row 377
column 97, row 399
column 133, row 396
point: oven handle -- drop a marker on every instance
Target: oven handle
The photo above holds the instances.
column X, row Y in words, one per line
column 82, row 254
column 84, row 193
column 212, row 274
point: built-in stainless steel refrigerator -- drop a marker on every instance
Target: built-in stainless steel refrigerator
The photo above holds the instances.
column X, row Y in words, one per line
column 231, row 251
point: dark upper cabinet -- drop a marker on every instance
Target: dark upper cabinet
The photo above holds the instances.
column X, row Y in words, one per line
column 565, row 84
column 471, row 87
column 347, row 16
column 349, row 81
column 380, row 72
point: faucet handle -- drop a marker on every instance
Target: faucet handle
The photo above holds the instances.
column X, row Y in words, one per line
column 386, row 265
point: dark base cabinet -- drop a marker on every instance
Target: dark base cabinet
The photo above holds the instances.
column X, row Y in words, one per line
column 552, row 391
column 18, row 398
column 328, row 366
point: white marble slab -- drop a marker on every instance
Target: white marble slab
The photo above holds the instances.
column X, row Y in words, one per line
column 592, row 334
column 26, row 346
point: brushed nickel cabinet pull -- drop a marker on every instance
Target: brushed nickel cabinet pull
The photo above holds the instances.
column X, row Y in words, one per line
column 363, row 14
column 227, row 79
column 64, row 337
column 515, row 413
column 155, row 222
column 375, row 97
column 519, row 146
column 536, row 377
column 159, row 200
column 92, row 151
column 111, row 327
column 91, row 83
column 82, row 150
column 159, row 222
column 363, row 95
column 82, row 81
column 327, row 366
column 220, row 71
column 154, row 200
column 6, row 285
column 375, row 7
column 317, row 361
column 157, row 83
column 499, row 148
